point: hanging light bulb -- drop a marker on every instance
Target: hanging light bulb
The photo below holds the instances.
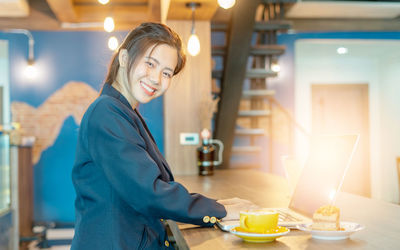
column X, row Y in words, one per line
column 109, row 24
column 30, row 71
column 103, row 1
column 193, row 46
column 226, row 4
column 275, row 67
column 113, row 43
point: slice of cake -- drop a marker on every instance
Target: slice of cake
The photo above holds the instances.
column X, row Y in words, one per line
column 326, row 218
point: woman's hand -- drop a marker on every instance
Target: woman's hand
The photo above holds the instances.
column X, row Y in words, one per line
column 233, row 207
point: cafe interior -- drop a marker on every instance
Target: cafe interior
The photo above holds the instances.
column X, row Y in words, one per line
column 239, row 121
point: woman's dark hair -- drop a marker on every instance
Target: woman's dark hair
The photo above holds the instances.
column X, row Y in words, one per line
column 140, row 39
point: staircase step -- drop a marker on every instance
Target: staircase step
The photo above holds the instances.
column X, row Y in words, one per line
column 216, row 74
column 267, row 49
column 250, row 131
column 251, row 73
column 254, row 113
column 260, row 73
column 246, row 149
column 272, row 25
column 258, row 93
column 219, row 27
column 257, row 50
column 218, row 50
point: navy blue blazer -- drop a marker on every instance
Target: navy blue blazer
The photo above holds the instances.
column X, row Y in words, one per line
column 123, row 184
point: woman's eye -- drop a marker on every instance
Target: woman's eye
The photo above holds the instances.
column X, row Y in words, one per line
column 150, row 64
column 168, row 75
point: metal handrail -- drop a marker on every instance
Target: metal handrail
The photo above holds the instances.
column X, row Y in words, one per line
column 292, row 120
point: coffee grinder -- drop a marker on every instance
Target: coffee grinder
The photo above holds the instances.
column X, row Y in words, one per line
column 206, row 153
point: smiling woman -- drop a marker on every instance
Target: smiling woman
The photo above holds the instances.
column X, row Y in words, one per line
column 150, row 77
column 125, row 188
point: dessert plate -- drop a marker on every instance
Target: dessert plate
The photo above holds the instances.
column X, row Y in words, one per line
column 256, row 237
column 347, row 228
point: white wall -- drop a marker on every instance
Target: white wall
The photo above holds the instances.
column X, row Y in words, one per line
column 316, row 62
column 390, row 125
column 4, row 79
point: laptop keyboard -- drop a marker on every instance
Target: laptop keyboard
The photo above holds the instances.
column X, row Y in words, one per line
column 285, row 216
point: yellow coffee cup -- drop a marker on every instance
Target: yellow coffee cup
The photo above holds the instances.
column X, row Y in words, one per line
column 259, row 221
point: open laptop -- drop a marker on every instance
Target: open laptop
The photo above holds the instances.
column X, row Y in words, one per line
column 319, row 182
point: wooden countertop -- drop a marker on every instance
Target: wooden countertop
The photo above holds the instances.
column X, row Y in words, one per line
column 381, row 219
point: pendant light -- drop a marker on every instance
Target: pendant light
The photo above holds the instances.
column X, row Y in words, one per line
column 109, row 24
column 113, row 43
column 226, row 4
column 275, row 67
column 30, row 71
column 193, row 46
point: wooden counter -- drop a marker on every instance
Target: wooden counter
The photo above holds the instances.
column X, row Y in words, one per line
column 382, row 220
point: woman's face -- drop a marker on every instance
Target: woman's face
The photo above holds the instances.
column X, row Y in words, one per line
column 153, row 73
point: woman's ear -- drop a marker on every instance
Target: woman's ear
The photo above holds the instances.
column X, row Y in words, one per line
column 123, row 58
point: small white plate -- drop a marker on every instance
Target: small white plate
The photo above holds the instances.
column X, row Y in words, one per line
column 348, row 229
column 258, row 238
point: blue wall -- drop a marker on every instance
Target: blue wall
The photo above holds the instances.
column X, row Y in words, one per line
column 62, row 57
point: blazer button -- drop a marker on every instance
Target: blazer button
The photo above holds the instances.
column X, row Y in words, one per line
column 213, row 219
column 166, row 243
column 161, row 220
column 206, row 219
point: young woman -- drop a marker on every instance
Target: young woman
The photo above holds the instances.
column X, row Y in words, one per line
column 124, row 186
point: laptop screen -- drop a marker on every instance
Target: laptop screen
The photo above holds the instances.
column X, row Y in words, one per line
column 323, row 173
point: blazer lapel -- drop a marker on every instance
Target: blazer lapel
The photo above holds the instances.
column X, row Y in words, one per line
column 166, row 166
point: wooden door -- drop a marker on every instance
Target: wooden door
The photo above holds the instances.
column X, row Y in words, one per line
column 344, row 109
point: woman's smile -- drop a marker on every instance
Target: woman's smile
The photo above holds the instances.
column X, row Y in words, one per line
column 147, row 88
column 152, row 75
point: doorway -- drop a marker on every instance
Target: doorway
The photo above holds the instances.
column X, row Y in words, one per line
column 344, row 109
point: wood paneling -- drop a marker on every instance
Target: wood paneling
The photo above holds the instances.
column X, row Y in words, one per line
column 154, row 9
column 121, row 14
column 25, row 191
column 41, row 17
column 178, row 10
column 63, row 9
column 14, row 8
column 187, row 99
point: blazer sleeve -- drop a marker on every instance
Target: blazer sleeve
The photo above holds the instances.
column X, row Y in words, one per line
column 115, row 144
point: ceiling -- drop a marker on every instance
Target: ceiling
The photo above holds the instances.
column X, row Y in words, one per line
column 89, row 14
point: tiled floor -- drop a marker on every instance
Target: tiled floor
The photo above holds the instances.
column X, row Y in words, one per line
column 58, row 239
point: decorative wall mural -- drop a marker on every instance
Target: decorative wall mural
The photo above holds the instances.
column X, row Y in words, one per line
column 44, row 123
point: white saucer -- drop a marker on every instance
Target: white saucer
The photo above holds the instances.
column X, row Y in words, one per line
column 256, row 237
column 348, row 229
